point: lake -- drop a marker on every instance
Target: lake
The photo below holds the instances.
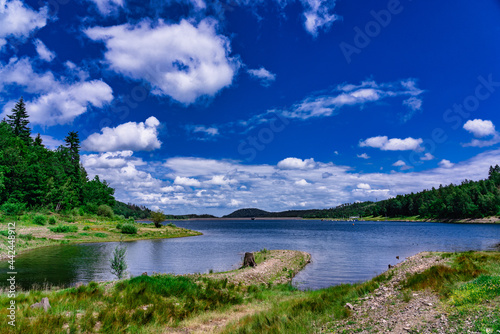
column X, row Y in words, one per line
column 342, row 252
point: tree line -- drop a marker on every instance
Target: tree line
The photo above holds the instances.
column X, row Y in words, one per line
column 33, row 176
column 470, row 199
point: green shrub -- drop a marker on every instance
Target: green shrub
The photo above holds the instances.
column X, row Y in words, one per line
column 75, row 212
column 131, row 220
column 40, row 220
column 28, row 236
column 64, row 229
column 171, row 225
column 100, row 235
column 5, row 233
column 86, row 228
column 119, row 226
column 52, row 220
column 129, row 229
column 12, row 209
column 105, row 211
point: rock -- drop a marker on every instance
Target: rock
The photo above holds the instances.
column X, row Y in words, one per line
column 397, row 257
column 44, row 303
column 349, row 306
column 145, row 273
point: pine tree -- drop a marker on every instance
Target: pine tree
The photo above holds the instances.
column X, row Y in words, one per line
column 73, row 144
column 19, row 122
column 38, row 140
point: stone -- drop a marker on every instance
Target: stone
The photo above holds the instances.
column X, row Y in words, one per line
column 42, row 304
column 349, row 306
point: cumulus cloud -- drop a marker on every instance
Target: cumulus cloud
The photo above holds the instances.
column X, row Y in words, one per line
column 43, row 52
column 142, row 136
column 201, row 132
column 446, row 164
column 318, row 15
column 402, row 165
column 169, row 185
column 188, row 61
column 427, row 157
column 107, row 7
column 265, row 77
column 481, row 129
column 55, row 100
column 18, row 20
column 393, row 144
column 295, row 163
column 363, row 156
column 347, row 95
column 186, row 181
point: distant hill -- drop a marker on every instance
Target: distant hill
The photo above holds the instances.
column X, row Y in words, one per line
column 257, row 213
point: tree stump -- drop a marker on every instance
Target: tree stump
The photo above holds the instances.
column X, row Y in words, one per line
column 249, row 260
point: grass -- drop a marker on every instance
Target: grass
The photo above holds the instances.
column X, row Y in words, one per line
column 96, row 228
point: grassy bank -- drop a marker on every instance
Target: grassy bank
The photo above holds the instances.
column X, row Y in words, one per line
column 465, row 288
column 35, row 230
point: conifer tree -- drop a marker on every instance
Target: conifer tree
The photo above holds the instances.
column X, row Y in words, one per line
column 19, row 122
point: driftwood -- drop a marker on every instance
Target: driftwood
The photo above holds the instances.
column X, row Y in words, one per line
column 43, row 304
column 249, row 260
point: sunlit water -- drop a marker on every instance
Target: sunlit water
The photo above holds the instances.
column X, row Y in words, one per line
column 341, row 252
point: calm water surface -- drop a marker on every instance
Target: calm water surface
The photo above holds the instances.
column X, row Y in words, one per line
column 341, row 252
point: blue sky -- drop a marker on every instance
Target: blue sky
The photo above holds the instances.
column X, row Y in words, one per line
column 197, row 106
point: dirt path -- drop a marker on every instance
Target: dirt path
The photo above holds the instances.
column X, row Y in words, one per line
column 279, row 267
column 389, row 310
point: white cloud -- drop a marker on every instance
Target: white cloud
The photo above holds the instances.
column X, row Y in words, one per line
column 19, row 21
column 295, row 163
column 402, row 164
column 188, row 61
column 363, row 156
column 263, row 186
column 132, row 136
column 302, row 182
column 186, row 181
column 43, row 52
column 427, row 157
column 202, row 132
column 265, row 77
column 446, row 164
column 55, row 101
column 49, row 141
column 107, row 159
column 107, row 7
column 394, row 144
column 480, row 128
column 220, row 180
column 318, row 15
column 351, row 95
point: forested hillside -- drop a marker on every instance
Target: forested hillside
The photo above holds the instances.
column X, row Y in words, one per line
column 471, row 199
column 32, row 176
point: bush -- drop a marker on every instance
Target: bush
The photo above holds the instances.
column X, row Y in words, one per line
column 64, row 229
column 28, row 236
column 75, row 212
column 12, row 209
column 171, row 225
column 52, row 220
column 100, row 235
column 105, row 211
column 86, row 228
column 40, row 220
column 5, row 233
column 131, row 220
column 118, row 263
column 129, row 229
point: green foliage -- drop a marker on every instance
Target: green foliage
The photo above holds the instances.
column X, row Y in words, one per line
column 471, row 199
column 131, row 210
column 5, row 233
column 35, row 176
column 118, row 263
column 119, row 226
column 157, row 217
column 105, row 211
column 129, row 229
column 28, row 236
column 40, row 220
column 52, row 220
column 11, row 208
column 476, row 291
column 171, row 225
column 64, row 229
column 101, row 235
column 86, row 228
